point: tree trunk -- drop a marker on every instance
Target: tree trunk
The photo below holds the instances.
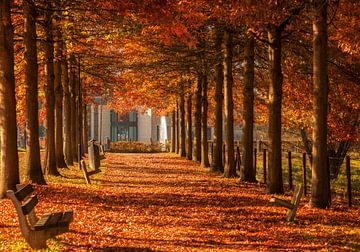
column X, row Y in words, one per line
column 229, row 169
column 85, row 129
column 320, row 190
column 197, row 149
column 67, row 112
column 80, row 114
column 247, row 171
column 216, row 164
column 189, row 128
column 73, row 107
column 182, row 126
column 275, row 184
column 177, row 150
column 50, row 157
column 33, row 169
column 173, row 132
column 204, row 125
column 9, row 164
column 59, row 146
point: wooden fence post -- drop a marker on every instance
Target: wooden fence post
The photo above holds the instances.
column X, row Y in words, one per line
column 290, row 171
column 348, row 176
column 304, row 173
column 264, row 165
column 255, row 159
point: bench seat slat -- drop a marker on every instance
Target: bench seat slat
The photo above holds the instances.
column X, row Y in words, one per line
column 66, row 218
column 24, row 192
column 282, row 203
column 29, row 204
column 41, row 223
column 54, row 219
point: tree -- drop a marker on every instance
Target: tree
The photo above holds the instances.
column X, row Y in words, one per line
column 247, row 171
column 173, row 134
column 197, row 121
column 58, row 92
column 67, row 111
column 9, row 164
column 50, row 167
column 33, row 169
column 320, row 193
column 216, row 164
column 182, row 139
column 204, row 125
column 189, row 127
column 229, row 169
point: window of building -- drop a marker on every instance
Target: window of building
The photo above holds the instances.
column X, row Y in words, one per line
column 124, row 126
column 157, row 133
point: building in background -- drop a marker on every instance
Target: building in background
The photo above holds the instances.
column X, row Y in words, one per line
column 147, row 127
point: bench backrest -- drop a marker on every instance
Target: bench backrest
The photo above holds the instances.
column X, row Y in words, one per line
column 24, row 201
column 297, row 194
column 290, row 216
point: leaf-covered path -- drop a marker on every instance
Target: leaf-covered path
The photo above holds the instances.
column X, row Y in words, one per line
column 159, row 202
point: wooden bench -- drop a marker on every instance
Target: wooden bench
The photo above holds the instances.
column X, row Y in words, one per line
column 101, row 152
column 85, row 172
column 293, row 205
column 37, row 230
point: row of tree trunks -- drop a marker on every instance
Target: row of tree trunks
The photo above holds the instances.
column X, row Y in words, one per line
column 33, row 169
column 9, row 164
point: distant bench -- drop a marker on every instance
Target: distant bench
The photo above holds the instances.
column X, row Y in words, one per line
column 37, row 230
column 293, row 205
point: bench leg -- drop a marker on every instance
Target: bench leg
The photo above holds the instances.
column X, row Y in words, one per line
column 37, row 240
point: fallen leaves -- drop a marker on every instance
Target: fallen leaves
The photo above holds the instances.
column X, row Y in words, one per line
column 162, row 202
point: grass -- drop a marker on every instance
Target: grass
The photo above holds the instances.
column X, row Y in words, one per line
column 338, row 186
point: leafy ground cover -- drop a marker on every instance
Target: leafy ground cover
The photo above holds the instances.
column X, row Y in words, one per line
column 159, row 202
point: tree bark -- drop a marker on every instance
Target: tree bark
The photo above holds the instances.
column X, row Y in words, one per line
column 182, row 126
column 59, row 146
column 33, row 169
column 67, row 112
column 216, row 164
column 229, row 169
column 9, row 164
column 247, row 171
column 50, row 157
column 275, row 184
column 204, row 125
column 80, row 114
column 85, row 129
column 189, row 127
column 177, row 149
column 197, row 149
column 173, row 132
column 73, row 107
column 320, row 190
